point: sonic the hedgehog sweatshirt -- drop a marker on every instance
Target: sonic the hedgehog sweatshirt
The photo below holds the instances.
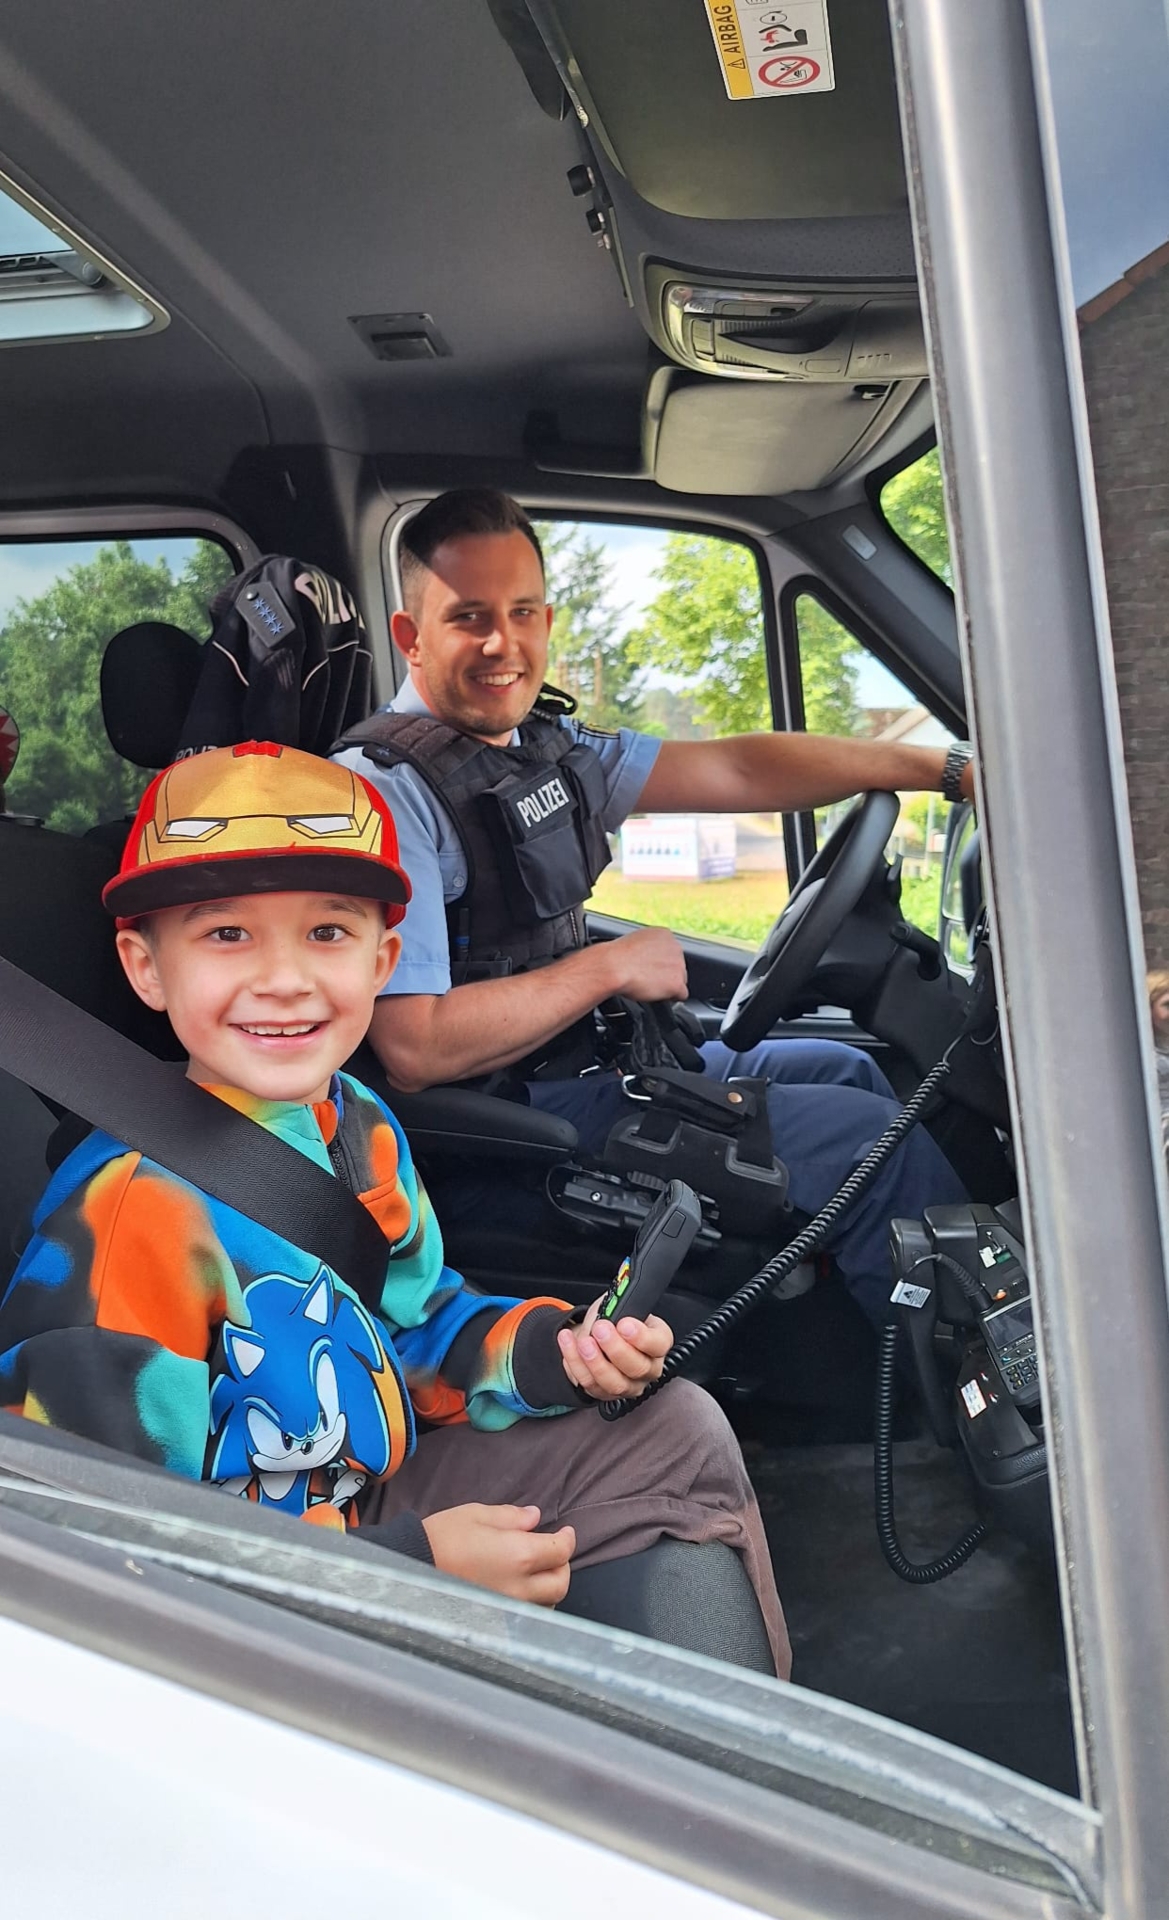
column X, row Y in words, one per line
column 149, row 1316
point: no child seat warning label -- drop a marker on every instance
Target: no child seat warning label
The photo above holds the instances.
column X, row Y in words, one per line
column 770, row 52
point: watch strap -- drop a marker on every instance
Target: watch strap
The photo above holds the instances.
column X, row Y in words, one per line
column 958, row 758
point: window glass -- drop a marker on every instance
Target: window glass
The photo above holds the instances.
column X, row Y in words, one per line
column 51, row 289
column 848, row 691
column 913, row 504
column 60, row 602
column 664, row 632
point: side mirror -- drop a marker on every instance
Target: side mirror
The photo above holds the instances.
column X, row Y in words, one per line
column 962, row 892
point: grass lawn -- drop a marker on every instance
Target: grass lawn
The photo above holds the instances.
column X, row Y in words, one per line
column 739, row 910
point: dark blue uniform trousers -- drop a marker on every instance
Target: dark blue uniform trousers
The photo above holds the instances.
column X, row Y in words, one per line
column 827, row 1104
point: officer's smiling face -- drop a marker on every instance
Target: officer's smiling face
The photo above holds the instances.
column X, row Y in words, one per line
column 476, row 636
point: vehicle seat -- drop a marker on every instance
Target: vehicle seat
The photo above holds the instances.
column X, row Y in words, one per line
column 25, row 1126
column 148, row 678
column 55, row 927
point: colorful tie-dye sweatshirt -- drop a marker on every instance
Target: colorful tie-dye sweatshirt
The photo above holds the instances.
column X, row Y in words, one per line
column 146, row 1315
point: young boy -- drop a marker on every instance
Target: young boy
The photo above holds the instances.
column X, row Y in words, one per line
column 255, row 905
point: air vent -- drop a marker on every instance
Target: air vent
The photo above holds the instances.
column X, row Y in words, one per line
column 400, row 336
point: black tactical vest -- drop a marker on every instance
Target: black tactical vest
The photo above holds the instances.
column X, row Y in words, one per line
column 528, row 818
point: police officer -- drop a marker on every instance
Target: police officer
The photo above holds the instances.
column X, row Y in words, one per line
column 502, row 813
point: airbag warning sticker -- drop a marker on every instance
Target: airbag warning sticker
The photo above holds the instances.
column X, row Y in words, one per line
column 975, row 1399
column 768, row 51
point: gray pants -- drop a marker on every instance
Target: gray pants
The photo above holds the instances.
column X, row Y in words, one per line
column 670, row 1469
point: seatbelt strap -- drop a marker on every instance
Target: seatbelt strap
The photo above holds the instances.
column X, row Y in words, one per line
column 76, row 1060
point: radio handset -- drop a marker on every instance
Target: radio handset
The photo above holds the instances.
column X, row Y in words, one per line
column 663, row 1241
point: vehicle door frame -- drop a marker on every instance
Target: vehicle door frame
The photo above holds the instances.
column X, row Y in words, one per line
column 979, row 128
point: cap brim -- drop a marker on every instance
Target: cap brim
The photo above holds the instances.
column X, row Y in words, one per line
column 187, row 883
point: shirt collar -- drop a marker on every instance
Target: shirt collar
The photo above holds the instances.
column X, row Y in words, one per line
column 409, row 700
column 288, row 1117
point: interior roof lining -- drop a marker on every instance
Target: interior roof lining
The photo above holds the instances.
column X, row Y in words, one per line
column 295, row 219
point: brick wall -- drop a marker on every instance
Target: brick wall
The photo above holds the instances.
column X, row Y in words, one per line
column 1125, row 346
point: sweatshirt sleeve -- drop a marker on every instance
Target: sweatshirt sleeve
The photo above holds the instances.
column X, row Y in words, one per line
column 465, row 1354
column 106, row 1325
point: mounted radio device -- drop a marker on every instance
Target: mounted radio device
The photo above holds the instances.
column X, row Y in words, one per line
column 962, row 1297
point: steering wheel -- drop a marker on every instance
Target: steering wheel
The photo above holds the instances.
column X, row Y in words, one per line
column 815, row 911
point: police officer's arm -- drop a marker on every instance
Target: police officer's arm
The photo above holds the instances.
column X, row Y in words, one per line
column 785, row 773
column 426, row 1039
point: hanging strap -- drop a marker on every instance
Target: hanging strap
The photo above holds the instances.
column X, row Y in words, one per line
column 66, row 1054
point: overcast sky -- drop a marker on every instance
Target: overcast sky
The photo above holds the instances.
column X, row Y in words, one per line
column 1110, row 83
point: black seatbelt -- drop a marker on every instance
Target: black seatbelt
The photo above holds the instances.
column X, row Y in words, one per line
column 66, row 1054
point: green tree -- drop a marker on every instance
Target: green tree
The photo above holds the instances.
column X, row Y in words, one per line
column 672, row 713
column 205, row 572
column 50, row 660
column 829, row 665
column 913, row 504
column 587, row 653
column 707, row 623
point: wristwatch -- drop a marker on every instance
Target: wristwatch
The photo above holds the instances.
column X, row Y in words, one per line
column 957, row 760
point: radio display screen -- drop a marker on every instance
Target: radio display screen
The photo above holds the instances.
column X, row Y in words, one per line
column 1009, row 1324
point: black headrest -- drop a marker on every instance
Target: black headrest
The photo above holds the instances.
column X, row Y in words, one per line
column 148, row 678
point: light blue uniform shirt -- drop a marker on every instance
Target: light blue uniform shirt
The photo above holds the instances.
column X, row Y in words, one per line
column 430, row 850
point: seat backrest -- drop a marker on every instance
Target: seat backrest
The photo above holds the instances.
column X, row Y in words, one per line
column 149, row 673
column 25, row 1126
column 54, row 926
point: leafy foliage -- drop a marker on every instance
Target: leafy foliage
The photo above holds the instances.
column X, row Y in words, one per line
column 829, row 665
column 913, row 504
column 50, row 659
column 587, row 654
column 707, row 622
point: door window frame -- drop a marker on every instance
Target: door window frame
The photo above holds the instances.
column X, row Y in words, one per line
column 131, row 522
column 1033, row 629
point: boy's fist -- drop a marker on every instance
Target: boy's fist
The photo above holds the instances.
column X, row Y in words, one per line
column 614, row 1362
column 498, row 1547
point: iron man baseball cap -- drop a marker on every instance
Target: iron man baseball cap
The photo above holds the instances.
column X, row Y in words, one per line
column 257, row 818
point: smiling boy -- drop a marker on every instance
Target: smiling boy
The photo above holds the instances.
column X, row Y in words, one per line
column 256, row 905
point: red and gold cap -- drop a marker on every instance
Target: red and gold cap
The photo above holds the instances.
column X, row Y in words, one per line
column 257, row 818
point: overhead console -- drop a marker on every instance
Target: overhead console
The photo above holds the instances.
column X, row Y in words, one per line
column 764, row 242
column 743, row 331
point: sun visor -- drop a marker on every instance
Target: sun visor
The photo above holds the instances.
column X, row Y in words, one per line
column 818, row 137
column 739, row 438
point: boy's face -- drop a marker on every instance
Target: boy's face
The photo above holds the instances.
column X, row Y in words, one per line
column 269, row 992
column 1160, row 1004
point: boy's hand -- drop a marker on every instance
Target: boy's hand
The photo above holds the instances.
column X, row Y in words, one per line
column 614, row 1362
column 498, row 1547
